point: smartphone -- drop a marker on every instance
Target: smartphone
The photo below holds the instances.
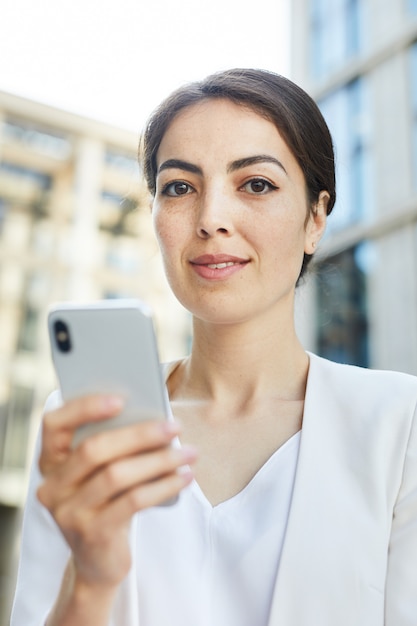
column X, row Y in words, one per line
column 108, row 347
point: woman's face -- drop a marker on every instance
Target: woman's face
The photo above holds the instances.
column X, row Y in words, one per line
column 230, row 213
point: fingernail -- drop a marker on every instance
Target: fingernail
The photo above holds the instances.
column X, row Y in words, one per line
column 171, row 428
column 189, row 453
column 112, row 403
column 187, row 476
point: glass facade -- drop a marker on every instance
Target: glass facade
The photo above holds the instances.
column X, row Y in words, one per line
column 336, row 34
column 342, row 332
column 347, row 112
column 412, row 6
column 413, row 92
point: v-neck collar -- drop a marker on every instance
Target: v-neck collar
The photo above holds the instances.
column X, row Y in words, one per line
column 168, row 369
column 270, row 464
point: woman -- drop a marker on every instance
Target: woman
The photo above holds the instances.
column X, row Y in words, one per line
column 301, row 507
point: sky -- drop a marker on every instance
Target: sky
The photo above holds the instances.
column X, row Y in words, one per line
column 115, row 60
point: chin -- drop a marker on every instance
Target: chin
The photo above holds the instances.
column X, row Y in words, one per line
column 222, row 313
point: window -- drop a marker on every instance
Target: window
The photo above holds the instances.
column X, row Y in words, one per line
column 413, row 88
column 3, row 427
column 3, row 212
column 24, row 187
column 40, row 140
column 36, row 292
column 43, row 181
column 117, row 295
column 342, row 333
column 121, row 161
column 118, row 214
column 412, row 6
column 13, row 454
column 113, row 199
column 123, row 259
column 28, row 334
column 336, row 34
column 347, row 112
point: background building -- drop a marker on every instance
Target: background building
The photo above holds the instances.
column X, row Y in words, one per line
column 359, row 61
column 74, row 224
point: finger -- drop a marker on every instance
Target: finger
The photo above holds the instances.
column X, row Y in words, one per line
column 142, row 497
column 108, row 446
column 78, row 411
column 95, row 452
column 58, row 426
column 145, row 496
column 88, row 527
column 123, row 475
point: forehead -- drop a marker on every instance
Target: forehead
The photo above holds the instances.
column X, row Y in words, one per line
column 223, row 127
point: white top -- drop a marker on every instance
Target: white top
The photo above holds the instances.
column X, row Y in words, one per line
column 201, row 565
column 193, row 564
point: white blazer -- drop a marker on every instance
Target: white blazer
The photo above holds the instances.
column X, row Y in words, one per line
column 350, row 551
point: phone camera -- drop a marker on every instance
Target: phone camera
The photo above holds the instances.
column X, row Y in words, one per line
column 62, row 336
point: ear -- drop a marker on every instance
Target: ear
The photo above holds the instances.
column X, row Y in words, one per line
column 316, row 223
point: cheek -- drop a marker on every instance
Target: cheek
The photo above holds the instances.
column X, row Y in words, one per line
column 285, row 234
column 170, row 234
column 162, row 228
column 283, row 244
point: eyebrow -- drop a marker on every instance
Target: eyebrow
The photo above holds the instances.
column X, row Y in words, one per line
column 179, row 164
column 252, row 160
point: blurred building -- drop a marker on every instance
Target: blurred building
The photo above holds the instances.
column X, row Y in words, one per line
column 358, row 59
column 74, row 224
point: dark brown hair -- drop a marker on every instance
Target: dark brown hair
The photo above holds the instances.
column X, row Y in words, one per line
column 279, row 100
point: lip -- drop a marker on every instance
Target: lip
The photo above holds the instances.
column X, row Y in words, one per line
column 229, row 265
column 214, row 259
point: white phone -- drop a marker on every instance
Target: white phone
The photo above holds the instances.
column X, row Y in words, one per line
column 108, row 347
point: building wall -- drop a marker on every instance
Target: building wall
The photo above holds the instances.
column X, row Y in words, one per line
column 360, row 65
column 75, row 224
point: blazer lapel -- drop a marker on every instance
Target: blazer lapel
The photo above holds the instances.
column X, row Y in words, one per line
column 314, row 580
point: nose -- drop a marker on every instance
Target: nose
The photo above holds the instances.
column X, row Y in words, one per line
column 214, row 215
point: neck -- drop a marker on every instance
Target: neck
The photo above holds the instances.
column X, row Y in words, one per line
column 250, row 359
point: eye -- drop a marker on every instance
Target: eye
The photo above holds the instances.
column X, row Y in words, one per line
column 258, row 186
column 177, row 188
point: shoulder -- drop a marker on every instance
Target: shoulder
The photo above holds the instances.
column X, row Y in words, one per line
column 347, row 375
column 370, row 413
column 363, row 391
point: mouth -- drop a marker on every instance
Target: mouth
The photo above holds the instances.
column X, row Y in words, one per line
column 218, row 261
column 217, row 266
column 220, row 266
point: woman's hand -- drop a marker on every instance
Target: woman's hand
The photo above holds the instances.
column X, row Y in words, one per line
column 92, row 491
